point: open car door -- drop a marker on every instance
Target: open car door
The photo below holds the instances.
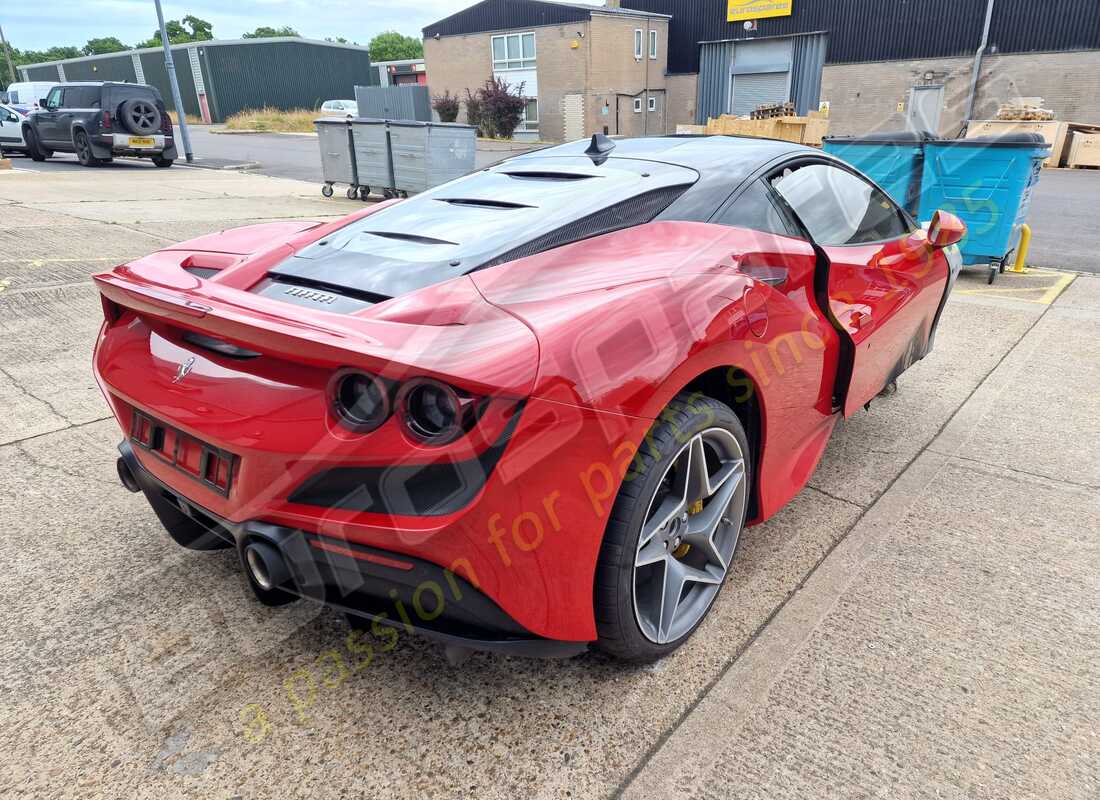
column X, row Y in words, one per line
column 882, row 284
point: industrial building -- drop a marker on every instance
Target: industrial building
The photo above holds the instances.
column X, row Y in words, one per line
column 219, row 78
column 875, row 64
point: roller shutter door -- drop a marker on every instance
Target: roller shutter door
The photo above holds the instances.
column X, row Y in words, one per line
column 754, row 89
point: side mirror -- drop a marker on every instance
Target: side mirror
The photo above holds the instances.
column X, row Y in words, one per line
column 945, row 230
column 42, row 102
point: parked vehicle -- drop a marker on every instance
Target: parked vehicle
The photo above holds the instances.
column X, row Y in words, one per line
column 532, row 408
column 11, row 129
column 347, row 108
column 98, row 121
column 28, row 94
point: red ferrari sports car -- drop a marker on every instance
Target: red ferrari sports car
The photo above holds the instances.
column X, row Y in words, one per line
column 531, row 409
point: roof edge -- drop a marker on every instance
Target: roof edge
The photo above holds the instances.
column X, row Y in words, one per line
column 202, row 43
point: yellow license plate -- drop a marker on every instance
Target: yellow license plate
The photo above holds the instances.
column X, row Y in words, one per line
column 142, row 141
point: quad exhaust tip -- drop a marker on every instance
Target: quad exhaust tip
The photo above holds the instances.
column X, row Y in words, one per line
column 126, row 475
column 266, row 565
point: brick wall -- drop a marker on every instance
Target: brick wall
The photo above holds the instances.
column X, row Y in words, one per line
column 615, row 76
column 457, row 63
column 682, row 95
column 865, row 97
column 562, row 70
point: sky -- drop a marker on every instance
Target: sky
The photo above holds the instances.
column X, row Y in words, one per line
column 36, row 26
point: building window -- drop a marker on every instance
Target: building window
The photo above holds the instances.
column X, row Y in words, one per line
column 530, row 115
column 653, row 45
column 638, row 42
column 637, row 105
column 513, row 51
column 652, row 103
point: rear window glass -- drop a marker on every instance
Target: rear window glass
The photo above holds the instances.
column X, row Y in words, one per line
column 121, row 93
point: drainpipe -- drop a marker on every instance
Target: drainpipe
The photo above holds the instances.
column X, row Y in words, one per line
column 976, row 72
column 645, row 58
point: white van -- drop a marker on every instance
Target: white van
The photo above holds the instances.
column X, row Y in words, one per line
column 28, row 94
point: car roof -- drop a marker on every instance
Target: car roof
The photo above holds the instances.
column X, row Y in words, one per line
column 723, row 163
column 696, row 152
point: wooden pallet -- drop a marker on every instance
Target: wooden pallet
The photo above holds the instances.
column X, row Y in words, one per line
column 773, row 110
column 803, row 130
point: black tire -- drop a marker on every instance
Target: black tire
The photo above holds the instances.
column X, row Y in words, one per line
column 83, row 148
column 326, row 190
column 352, row 193
column 140, row 116
column 364, row 193
column 163, row 163
column 619, row 633
column 34, row 149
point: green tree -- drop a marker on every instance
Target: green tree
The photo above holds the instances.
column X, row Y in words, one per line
column 37, row 56
column 189, row 29
column 392, row 46
column 105, row 44
column 265, row 32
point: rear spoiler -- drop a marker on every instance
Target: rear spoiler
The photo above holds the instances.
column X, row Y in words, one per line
column 473, row 353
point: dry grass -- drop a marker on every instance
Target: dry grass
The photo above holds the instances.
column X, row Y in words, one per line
column 191, row 119
column 299, row 120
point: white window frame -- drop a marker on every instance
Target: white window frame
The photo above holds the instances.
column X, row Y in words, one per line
column 637, row 105
column 528, row 125
column 639, row 43
column 653, row 102
column 502, row 65
column 652, row 45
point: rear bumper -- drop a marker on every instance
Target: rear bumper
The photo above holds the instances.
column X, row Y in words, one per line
column 366, row 583
column 117, row 144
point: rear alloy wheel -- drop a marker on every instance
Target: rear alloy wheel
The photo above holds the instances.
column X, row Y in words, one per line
column 84, row 150
column 673, row 531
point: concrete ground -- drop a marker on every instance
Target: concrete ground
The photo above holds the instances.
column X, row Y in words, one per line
column 922, row 621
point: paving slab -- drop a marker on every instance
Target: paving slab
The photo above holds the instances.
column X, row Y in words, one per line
column 948, row 647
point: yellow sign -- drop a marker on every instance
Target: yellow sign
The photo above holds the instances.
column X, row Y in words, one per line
column 758, row 9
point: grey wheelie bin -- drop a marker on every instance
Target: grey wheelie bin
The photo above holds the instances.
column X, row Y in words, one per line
column 337, row 158
column 427, row 154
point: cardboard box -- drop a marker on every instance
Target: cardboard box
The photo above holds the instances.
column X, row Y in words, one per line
column 1055, row 133
column 1084, row 150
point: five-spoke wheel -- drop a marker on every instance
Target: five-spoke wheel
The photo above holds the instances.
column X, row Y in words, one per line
column 673, row 530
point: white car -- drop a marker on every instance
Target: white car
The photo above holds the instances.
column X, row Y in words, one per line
column 348, row 108
column 11, row 130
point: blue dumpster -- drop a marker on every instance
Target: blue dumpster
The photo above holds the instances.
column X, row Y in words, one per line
column 895, row 161
column 987, row 182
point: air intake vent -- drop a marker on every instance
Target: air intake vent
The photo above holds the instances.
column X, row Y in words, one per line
column 409, row 237
column 627, row 214
column 543, row 175
column 483, row 203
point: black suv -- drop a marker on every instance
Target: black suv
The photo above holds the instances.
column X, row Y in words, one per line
column 98, row 121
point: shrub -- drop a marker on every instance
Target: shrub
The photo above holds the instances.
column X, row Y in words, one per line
column 502, row 109
column 474, row 114
column 446, row 106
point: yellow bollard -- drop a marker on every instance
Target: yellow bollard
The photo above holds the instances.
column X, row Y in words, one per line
column 1021, row 251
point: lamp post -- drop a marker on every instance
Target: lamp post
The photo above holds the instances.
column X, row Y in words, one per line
column 170, row 66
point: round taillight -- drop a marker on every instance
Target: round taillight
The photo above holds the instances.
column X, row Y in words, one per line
column 433, row 411
column 362, row 401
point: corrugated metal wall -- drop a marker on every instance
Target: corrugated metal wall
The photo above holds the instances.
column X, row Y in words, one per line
column 717, row 59
column 885, row 30
column 237, row 76
column 714, row 80
column 495, row 15
column 152, row 64
column 283, row 75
